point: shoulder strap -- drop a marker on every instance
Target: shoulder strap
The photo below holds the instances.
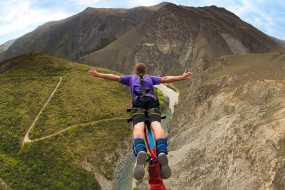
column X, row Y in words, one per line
column 142, row 84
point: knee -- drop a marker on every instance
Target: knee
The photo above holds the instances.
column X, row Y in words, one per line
column 139, row 130
column 139, row 125
column 156, row 125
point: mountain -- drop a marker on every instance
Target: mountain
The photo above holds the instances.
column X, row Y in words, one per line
column 227, row 131
column 6, row 45
column 278, row 41
column 79, row 137
column 81, row 34
column 176, row 38
column 167, row 37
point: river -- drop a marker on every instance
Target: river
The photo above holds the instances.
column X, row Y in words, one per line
column 126, row 180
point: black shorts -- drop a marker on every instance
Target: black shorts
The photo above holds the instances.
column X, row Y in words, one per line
column 146, row 103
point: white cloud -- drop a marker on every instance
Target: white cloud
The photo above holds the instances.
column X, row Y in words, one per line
column 20, row 16
column 267, row 16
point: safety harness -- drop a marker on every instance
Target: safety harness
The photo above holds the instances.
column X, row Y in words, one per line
column 144, row 91
column 155, row 179
column 140, row 111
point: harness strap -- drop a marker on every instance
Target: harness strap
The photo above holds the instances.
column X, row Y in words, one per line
column 142, row 85
column 139, row 94
column 144, row 91
column 138, row 111
column 153, row 111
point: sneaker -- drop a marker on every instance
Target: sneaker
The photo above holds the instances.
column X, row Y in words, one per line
column 165, row 170
column 139, row 166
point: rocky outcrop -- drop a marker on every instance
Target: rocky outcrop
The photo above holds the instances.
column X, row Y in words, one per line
column 228, row 131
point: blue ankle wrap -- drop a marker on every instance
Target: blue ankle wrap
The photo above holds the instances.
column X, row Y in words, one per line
column 138, row 145
column 161, row 146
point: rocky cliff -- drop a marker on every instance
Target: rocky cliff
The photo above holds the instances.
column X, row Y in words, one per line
column 228, row 131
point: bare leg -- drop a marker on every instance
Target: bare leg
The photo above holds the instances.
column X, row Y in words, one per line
column 157, row 129
column 139, row 130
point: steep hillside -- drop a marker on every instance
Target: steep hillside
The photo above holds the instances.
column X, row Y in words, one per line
column 80, row 34
column 77, row 125
column 227, row 131
column 6, row 45
column 175, row 38
column 278, row 41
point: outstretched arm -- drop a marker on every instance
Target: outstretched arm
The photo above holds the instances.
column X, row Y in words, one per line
column 184, row 76
column 113, row 77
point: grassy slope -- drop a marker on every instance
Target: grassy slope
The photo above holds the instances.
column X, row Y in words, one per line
column 56, row 162
column 243, row 68
column 252, row 67
column 109, row 54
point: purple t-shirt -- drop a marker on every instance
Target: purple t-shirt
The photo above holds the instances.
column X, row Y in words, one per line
column 133, row 81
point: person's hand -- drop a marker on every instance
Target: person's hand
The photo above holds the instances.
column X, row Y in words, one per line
column 186, row 75
column 93, row 72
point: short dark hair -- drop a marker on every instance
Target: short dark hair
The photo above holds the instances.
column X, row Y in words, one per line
column 140, row 69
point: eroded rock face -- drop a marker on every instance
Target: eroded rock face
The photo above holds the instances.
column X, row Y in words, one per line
column 228, row 133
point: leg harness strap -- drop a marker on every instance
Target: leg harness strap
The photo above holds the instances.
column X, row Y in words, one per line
column 152, row 111
column 140, row 111
column 137, row 111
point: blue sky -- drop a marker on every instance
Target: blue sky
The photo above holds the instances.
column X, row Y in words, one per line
column 18, row 17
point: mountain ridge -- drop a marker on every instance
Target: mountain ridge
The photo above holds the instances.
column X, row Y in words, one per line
column 86, row 31
column 175, row 38
column 93, row 29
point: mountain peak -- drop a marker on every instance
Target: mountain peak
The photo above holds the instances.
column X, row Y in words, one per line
column 164, row 3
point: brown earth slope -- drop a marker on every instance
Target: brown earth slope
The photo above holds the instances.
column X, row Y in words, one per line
column 175, row 38
column 81, row 34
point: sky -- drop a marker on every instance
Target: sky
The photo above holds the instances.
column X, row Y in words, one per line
column 18, row 17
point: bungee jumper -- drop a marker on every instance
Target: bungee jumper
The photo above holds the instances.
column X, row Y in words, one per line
column 146, row 113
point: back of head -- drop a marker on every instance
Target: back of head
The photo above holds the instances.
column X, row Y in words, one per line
column 140, row 69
